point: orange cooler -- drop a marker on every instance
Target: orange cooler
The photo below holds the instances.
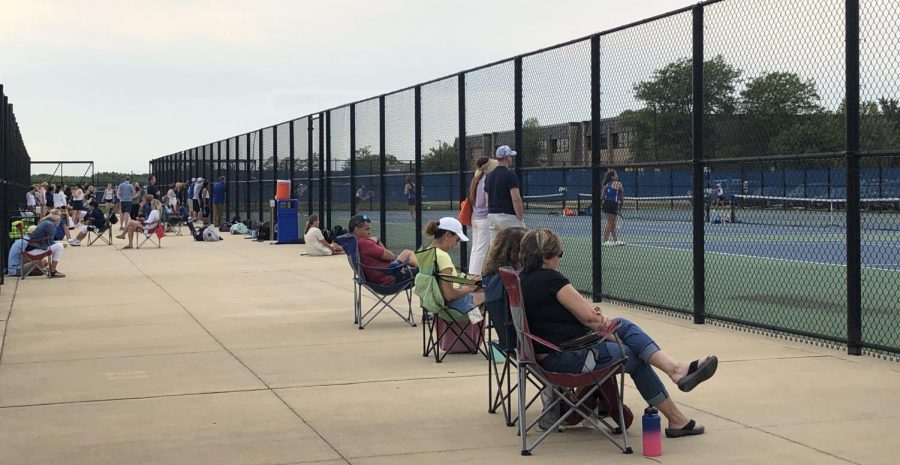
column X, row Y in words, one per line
column 283, row 189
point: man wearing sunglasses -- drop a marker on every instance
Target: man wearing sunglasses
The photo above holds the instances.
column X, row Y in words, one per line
column 373, row 255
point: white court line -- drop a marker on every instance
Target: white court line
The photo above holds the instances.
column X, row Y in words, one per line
column 726, row 254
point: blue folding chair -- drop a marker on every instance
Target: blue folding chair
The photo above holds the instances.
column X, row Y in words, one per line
column 383, row 293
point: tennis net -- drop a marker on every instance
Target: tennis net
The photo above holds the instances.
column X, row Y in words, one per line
column 550, row 204
column 668, row 208
column 878, row 213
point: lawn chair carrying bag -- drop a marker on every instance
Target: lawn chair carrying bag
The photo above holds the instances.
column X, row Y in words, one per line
column 448, row 342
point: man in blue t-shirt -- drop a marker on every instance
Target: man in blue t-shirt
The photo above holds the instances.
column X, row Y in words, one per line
column 125, row 191
column 218, row 201
column 501, row 188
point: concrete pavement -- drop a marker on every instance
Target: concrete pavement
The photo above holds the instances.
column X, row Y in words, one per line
column 242, row 352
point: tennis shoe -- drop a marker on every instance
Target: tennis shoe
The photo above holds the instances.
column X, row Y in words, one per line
column 607, row 243
column 619, row 243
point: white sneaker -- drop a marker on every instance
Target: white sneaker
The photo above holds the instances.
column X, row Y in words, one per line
column 475, row 316
column 74, row 242
column 619, row 243
column 607, row 243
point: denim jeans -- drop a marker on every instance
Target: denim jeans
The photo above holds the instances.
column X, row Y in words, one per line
column 639, row 347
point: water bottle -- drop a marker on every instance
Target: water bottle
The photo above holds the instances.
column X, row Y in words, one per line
column 651, row 432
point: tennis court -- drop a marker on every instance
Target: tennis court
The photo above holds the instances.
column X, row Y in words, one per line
column 783, row 264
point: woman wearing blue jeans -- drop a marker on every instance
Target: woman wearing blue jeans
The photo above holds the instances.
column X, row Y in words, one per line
column 557, row 312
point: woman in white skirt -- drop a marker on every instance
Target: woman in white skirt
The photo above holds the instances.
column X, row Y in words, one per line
column 481, row 228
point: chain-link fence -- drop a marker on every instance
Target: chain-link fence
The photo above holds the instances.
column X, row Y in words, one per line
column 15, row 178
column 757, row 143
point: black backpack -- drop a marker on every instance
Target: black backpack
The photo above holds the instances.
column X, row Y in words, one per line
column 262, row 233
column 337, row 231
column 113, row 219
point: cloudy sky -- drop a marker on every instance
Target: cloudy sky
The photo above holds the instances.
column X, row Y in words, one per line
column 121, row 82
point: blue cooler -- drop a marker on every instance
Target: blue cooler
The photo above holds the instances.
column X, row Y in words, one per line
column 288, row 229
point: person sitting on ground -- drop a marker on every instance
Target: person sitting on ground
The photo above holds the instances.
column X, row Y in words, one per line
column 41, row 240
column 374, row 256
column 316, row 245
column 557, row 313
column 94, row 221
column 147, row 224
column 445, row 234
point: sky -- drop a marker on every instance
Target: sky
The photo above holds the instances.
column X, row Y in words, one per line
column 122, row 82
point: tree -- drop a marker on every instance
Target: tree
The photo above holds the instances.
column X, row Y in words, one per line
column 532, row 153
column 367, row 162
column 444, row 157
column 662, row 129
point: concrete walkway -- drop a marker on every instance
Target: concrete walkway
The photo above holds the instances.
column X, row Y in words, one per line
column 245, row 353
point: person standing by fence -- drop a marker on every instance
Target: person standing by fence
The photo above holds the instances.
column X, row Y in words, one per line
column 505, row 209
column 409, row 190
column 481, row 228
column 612, row 196
column 125, row 192
column 218, row 200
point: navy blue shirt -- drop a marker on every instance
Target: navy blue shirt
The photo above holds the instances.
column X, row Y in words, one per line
column 497, row 186
column 96, row 217
column 218, row 192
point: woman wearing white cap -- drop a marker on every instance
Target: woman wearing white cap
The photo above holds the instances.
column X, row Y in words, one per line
column 446, row 233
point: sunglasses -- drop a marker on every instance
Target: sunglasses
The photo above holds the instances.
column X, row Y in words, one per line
column 365, row 217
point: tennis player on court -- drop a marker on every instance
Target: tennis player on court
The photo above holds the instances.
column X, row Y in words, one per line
column 612, row 196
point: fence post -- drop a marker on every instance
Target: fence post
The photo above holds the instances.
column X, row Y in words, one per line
column 309, row 160
column 462, row 153
column 260, row 205
column 417, row 151
column 322, row 166
column 352, row 159
column 517, row 91
column 854, row 259
column 327, row 198
column 228, row 180
column 247, row 197
column 596, row 137
column 698, row 196
column 382, row 167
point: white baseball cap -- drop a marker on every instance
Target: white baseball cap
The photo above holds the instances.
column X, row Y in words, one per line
column 453, row 225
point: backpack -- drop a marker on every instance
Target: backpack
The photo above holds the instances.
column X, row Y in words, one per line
column 262, row 233
column 239, row 228
column 113, row 219
column 210, row 235
column 236, row 219
column 337, row 231
column 226, row 227
column 327, row 234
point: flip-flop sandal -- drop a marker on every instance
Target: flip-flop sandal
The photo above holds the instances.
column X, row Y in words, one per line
column 698, row 373
column 127, row 247
column 690, row 429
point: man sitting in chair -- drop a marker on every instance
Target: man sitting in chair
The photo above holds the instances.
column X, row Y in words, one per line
column 373, row 254
column 93, row 221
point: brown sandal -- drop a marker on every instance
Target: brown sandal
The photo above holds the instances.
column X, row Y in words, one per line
column 57, row 274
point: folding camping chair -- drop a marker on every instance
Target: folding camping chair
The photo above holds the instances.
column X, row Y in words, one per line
column 501, row 382
column 172, row 220
column 383, row 293
column 444, row 327
column 35, row 260
column 103, row 234
column 153, row 233
column 560, row 383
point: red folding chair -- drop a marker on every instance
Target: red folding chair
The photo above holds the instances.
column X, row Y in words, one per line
column 560, row 383
column 35, row 260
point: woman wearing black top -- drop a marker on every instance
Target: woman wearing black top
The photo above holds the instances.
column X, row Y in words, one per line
column 557, row 312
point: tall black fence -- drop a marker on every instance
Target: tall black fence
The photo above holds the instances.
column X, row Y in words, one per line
column 15, row 174
column 758, row 144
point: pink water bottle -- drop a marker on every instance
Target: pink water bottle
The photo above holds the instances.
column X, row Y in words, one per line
column 650, row 429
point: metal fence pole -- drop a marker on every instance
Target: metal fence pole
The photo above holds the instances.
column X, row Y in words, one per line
column 854, row 258
column 309, row 160
column 417, row 170
column 382, row 167
column 462, row 152
column 322, row 166
column 352, row 159
column 517, row 123
column 698, row 165
column 247, row 175
column 327, row 199
column 260, row 205
column 596, row 137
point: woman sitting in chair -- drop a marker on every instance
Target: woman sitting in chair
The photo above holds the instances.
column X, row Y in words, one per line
column 41, row 240
column 445, row 234
column 504, row 252
column 147, row 224
column 557, row 312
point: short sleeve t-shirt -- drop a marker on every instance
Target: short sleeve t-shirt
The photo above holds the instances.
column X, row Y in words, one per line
column 444, row 261
column 218, row 192
column 370, row 254
column 547, row 318
column 313, row 244
column 497, row 185
column 126, row 190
